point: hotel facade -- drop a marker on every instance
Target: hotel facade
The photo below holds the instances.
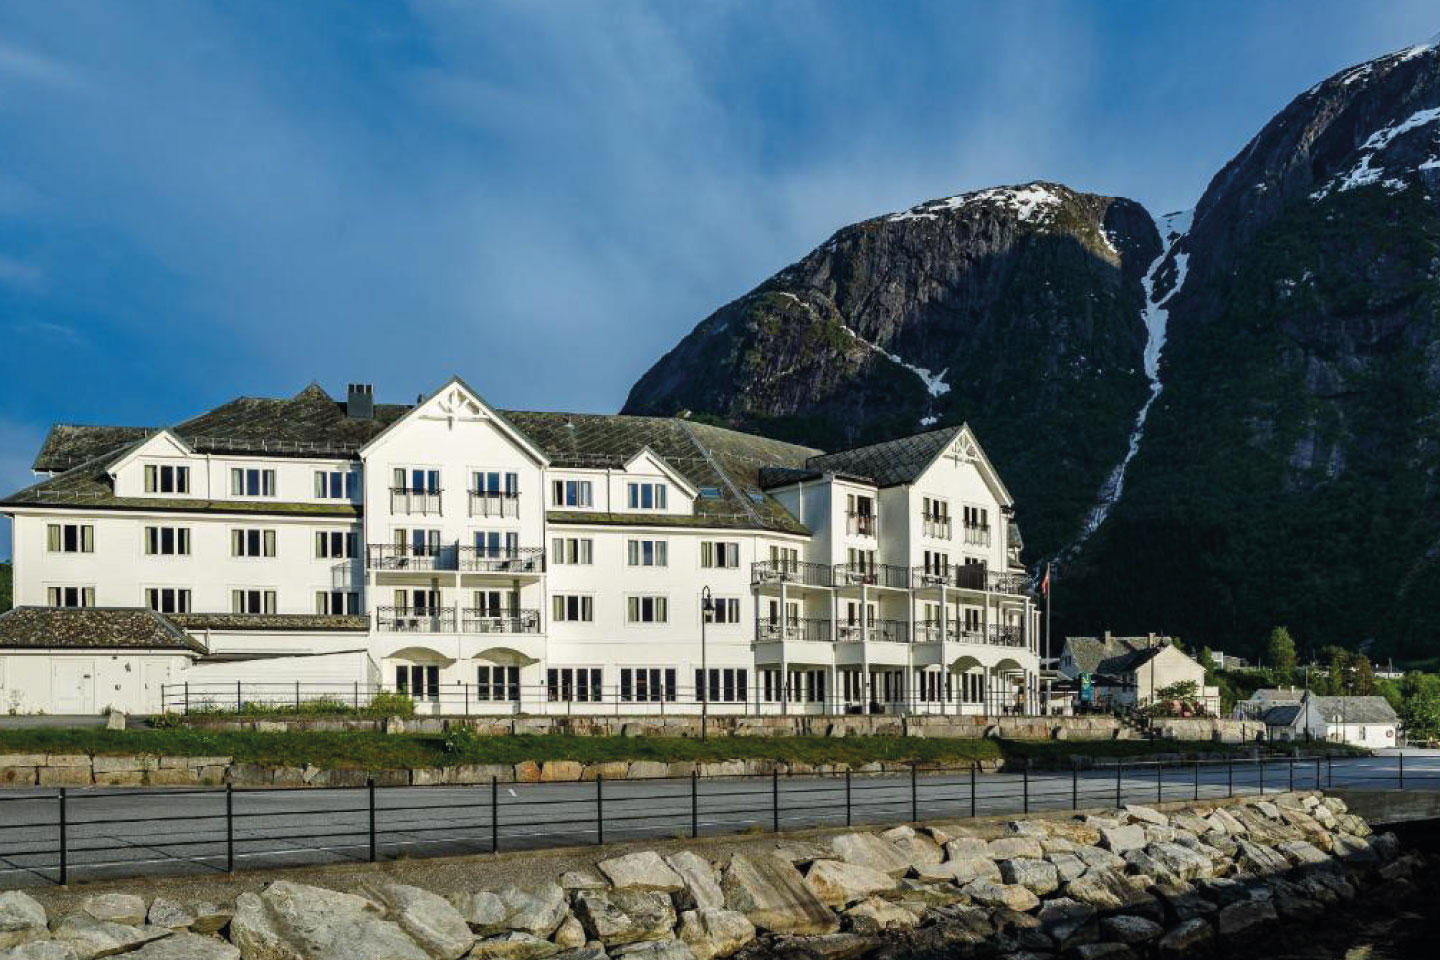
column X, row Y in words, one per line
column 484, row 561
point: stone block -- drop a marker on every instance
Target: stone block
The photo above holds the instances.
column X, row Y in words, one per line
column 17, row 776
column 173, row 777
column 68, row 760
column 561, row 771
column 64, row 776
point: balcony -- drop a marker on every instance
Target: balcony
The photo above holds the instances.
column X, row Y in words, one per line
column 799, row 572
column 876, row 631
column 929, row 631
column 794, row 629
column 494, row 505
column 407, row 502
column 874, row 575
column 862, row 524
column 482, row 620
column 453, row 558
column 969, row 577
column 415, row 619
column 977, row 536
column 936, row 528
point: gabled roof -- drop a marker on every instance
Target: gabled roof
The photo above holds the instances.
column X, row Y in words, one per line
column 93, row 628
column 1353, row 709
column 506, row 427
column 891, row 462
column 1115, row 656
column 1281, row 716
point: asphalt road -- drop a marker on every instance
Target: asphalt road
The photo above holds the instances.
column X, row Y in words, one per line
column 112, row 833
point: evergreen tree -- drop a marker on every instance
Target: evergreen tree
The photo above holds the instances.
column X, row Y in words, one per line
column 1280, row 653
column 1362, row 676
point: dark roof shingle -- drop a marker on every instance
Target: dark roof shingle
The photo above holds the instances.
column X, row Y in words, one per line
column 93, row 628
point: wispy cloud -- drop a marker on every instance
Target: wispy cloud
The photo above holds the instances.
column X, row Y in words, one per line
column 37, row 70
column 19, row 273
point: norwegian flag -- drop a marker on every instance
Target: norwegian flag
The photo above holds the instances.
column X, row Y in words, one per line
column 1045, row 583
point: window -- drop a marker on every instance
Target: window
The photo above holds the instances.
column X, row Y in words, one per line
column 649, row 553
column 337, row 602
column 252, row 601
column 572, row 608
column 937, row 564
column 785, row 558
column 168, row 599
column 860, row 560
column 572, row 550
column 336, row 545
column 415, row 480
column 860, row 514
column 167, row 541
column 417, row 542
column 647, row 684
column 252, row 482
column 420, row 681
column 166, row 479
column 647, row 496
column 497, row 544
column 70, row 538
column 573, row 684
column 336, row 484
column 972, row 619
column 725, row 685
column 805, row 686
column 572, row 493
column 977, row 525
column 935, row 518
column 421, row 601
column 497, row 683
column 252, row 543
column 71, row 596
column 494, row 483
column 721, row 554
column 648, row 610
column 726, row 610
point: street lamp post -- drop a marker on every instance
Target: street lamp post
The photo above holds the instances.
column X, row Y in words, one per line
column 707, row 609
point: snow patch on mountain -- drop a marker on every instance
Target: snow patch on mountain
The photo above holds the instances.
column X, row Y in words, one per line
column 934, row 382
column 1032, row 203
column 1172, row 226
column 1364, row 173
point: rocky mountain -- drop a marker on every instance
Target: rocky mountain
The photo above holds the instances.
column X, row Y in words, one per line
column 1017, row 309
column 1221, row 423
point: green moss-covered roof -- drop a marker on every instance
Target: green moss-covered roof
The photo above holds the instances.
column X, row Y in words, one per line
column 93, row 628
column 269, row 622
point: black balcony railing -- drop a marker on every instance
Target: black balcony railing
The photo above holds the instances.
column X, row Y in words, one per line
column 504, row 560
column 800, row 572
column 795, row 629
column 871, row 574
column 967, row 576
column 875, row 631
column 473, row 620
column 415, row 619
column 955, row 631
column 494, row 504
column 409, row 502
column 862, row 524
column 453, row 557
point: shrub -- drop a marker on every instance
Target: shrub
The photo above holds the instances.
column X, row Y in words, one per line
column 390, row 705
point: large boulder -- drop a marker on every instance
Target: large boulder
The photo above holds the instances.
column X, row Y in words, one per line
column 626, row 916
column 874, row 916
column 186, row 946
column 516, row 945
column 1064, row 920
column 1067, row 866
column 22, row 919
column 917, row 849
column 483, row 911
column 1007, row 848
column 1187, row 937
column 656, row 950
column 702, row 883
column 1260, row 859
column 534, row 910
column 773, row 895
column 100, row 938
column 1241, row 918
column 966, row 848
column 1125, row 928
column 1001, row 895
column 1108, row 890
column 429, row 919
column 116, row 907
column 1122, row 839
column 645, row 870
column 1148, row 815
column 868, row 850
column 1037, row 876
column 713, row 932
column 962, row 871
column 838, row 883
column 42, row 950
column 1098, row 858
column 291, row 921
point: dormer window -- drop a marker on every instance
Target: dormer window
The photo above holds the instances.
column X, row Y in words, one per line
column 336, row 484
column 647, row 496
column 166, row 478
column 252, row 482
column 573, row 493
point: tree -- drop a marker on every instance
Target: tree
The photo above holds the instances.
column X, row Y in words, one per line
column 1421, row 714
column 1362, row 676
column 1341, row 670
column 1280, row 652
column 1207, row 660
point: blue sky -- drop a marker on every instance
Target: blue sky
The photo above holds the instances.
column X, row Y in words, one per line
column 199, row 200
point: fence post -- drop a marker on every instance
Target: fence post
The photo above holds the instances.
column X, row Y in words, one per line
column 1319, row 780
column 914, row 793
column 1230, row 776
column 1402, row 770
column 297, row 696
column 64, row 842
column 370, row 790
column 1074, row 785
column 1262, row 776
column 1025, row 786
column 775, row 795
column 847, row 796
column 494, row 814
column 599, row 809
column 239, row 698
column 694, row 803
column 1159, row 781
column 229, row 828
column 1119, row 784
column 357, row 696
column 1329, row 771
column 973, row 765
column 187, row 698
column 1197, row 779
column 1292, row 773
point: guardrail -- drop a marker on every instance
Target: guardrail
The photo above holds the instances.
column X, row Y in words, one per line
column 60, row 836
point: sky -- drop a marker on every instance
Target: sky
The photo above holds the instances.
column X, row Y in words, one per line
column 202, row 200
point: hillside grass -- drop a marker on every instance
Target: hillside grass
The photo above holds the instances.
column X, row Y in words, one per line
column 376, row 751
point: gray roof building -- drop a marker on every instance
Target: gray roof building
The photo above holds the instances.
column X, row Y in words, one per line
column 93, row 628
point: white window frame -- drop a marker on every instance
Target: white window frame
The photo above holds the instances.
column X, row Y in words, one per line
column 266, row 547
column 57, row 537
column 659, row 605
column 584, row 608
column 266, row 482
column 572, row 551
column 154, row 541
column 659, row 553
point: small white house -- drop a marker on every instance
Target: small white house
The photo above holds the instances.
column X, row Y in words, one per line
column 1360, row 721
column 1127, row 672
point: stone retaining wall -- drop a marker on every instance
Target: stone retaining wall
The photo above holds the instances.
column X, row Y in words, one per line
column 1195, row 880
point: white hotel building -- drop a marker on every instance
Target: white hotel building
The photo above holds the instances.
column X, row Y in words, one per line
column 487, row 561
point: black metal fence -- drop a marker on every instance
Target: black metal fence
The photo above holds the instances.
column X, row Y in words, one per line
column 57, row 836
